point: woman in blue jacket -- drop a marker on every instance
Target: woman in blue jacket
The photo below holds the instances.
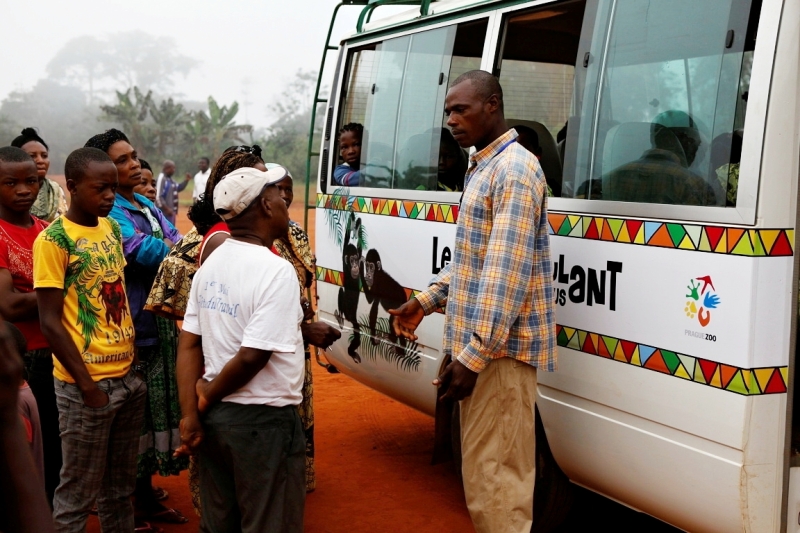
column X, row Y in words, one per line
column 147, row 237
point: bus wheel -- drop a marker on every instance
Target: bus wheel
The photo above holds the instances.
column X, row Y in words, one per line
column 553, row 494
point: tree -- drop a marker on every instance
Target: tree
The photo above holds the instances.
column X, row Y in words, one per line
column 216, row 130
column 131, row 114
column 60, row 113
column 169, row 120
column 82, row 61
column 147, row 61
column 125, row 59
column 286, row 140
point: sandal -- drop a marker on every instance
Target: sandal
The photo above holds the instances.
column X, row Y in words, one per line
column 160, row 494
column 147, row 527
column 167, row 516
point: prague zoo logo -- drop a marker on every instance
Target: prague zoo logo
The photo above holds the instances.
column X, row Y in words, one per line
column 702, row 298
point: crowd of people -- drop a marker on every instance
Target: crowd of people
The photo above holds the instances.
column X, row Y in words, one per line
column 92, row 291
column 109, row 392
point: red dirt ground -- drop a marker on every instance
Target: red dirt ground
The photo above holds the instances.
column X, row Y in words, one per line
column 373, row 462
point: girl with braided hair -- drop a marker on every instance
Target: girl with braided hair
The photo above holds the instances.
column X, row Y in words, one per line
column 348, row 173
column 51, row 201
column 233, row 158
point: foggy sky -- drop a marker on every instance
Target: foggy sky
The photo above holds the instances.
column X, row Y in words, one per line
column 248, row 50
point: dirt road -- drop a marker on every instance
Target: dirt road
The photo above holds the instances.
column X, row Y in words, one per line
column 374, row 472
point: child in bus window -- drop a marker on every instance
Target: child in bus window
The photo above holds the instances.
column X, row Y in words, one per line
column 348, row 173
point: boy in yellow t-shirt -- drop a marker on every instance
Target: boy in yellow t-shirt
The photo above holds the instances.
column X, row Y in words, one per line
column 78, row 276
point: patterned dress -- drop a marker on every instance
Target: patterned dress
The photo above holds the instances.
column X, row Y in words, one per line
column 295, row 248
column 143, row 232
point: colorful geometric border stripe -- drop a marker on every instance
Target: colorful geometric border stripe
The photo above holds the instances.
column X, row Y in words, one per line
column 714, row 239
column 429, row 211
column 695, row 237
column 748, row 382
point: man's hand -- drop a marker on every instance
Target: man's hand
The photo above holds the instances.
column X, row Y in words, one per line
column 308, row 312
column 407, row 318
column 95, row 398
column 202, row 401
column 319, row 334
column 169, row 243
column 191, row 436
column 188, row 177
column 458, row 380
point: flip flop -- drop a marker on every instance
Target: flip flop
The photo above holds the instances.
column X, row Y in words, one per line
column 147, row 527
column 160, row 494
column 168, row 516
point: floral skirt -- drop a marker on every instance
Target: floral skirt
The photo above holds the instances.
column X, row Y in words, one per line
column 160, row 434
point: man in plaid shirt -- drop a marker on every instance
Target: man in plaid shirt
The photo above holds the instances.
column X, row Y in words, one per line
column 500, row 322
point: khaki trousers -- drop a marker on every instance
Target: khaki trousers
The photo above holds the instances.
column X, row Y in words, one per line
column 498, row 447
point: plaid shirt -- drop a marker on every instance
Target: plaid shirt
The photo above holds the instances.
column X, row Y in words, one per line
column 498, row 288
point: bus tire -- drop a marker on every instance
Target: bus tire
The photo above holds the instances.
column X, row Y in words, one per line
column 553, row 494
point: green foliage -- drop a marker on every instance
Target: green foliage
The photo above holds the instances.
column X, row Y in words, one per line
column 286, row 141
column 131, row 113
column 341, row 218
column 213, row 131
column 407, row 359
column 117, row 81
column 165, row 129
column 61, row 114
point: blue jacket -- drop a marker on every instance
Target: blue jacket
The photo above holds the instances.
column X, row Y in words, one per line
column 143, row 254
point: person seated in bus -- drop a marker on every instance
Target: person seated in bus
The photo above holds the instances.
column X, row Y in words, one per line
column 415, row 164
column 661, row 175
column 529, row 139
column 452, row 163
column 348, row 173
column 726, row 154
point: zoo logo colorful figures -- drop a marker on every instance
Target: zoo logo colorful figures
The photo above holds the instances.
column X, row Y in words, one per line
column 702, row 298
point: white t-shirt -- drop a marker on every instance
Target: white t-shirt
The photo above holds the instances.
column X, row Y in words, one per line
column 200, row 180
column 245, row 295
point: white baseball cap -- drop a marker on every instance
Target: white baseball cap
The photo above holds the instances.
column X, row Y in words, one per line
column 236, row 191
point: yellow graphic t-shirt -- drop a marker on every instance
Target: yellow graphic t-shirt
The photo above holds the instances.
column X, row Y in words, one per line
column 88, row 264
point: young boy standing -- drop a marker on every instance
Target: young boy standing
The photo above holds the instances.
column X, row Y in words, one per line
column 79, row 281
column 19, row 187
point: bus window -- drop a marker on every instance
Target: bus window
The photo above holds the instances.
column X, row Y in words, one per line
column 358, row 85
column 536, row 68
column 395, row 91
column 667, row 110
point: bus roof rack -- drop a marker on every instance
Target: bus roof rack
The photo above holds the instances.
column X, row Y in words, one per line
column 372, row 5
column 366, row 13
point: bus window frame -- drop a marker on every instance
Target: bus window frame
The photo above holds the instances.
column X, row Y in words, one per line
column 753, row 142
column 754, row 127
column 345, row 48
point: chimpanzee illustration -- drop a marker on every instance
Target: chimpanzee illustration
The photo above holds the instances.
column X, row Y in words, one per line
column 113, row 297
column 381, row 288
column 350, row 292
